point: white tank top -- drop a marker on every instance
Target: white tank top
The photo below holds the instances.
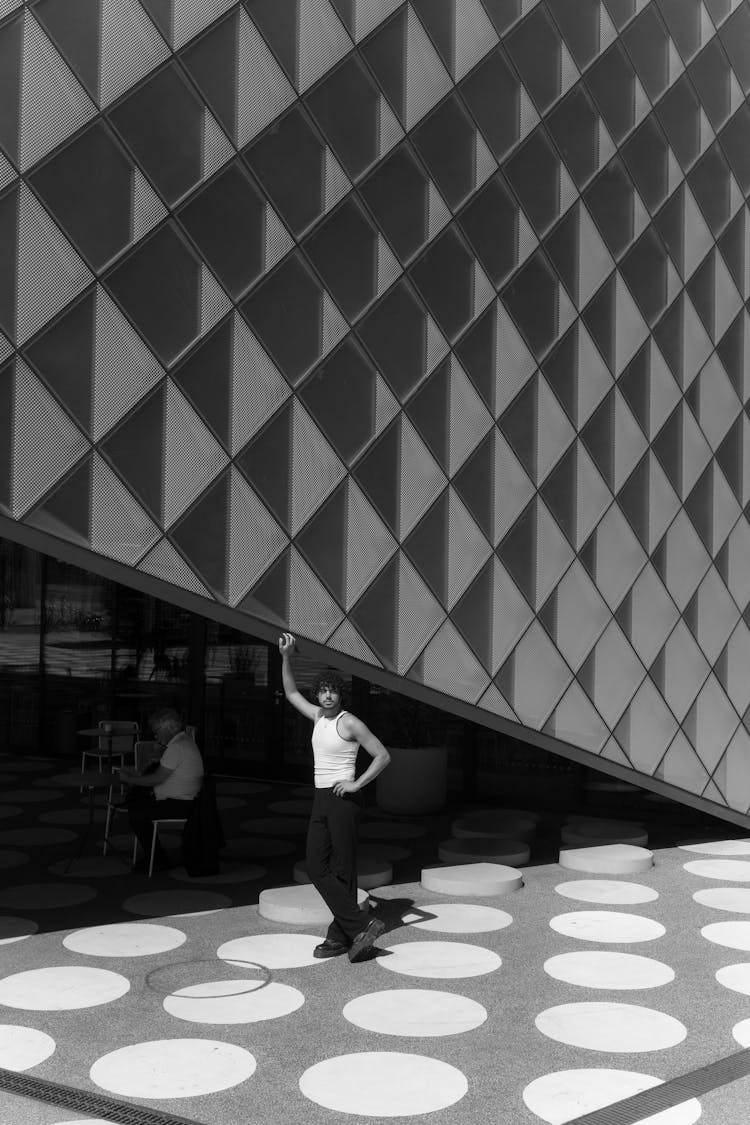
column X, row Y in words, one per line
column 335, row 757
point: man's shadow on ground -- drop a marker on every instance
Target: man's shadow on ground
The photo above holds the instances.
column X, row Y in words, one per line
column 395, row 913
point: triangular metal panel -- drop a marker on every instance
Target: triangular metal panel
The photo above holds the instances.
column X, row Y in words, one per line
column 189, row 19
column 129, row 48
column 474, row 38
column 421, row 479
column 312, row 611
column 50, row 273
column 124, row 368
column 369, row 544
column 53, row 104
column 448, row 665
column 419, row 615
column 316, row 468
column 120, row 527
column 427, row 80
column 263, row 90
column 575, row 720
column 217, row 148
column 681, row 767
column 322, row 41
column 192, row 455
column 255, row 538
column 470, row 420
column 258, row 388
column 468, row 550
column 553, row 553
column 166, row 563
column 46, row 442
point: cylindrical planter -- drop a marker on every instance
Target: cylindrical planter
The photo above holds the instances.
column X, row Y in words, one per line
column 415, row 782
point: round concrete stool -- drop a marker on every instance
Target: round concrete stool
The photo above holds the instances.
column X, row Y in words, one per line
column 607, row 859
column 371, row 872
column 525, row 814
column 582, row 833
column 494, row 824
column 492, row 849
column 620, row 826
column 298, row 905
column 472, row 879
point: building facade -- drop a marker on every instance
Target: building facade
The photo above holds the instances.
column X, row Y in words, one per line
column 418, row 329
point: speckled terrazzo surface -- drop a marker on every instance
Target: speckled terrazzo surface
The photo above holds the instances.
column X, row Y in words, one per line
column 176, row 993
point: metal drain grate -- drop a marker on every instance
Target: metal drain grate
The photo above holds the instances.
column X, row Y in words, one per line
column 84, row 1101
column 671, row 1093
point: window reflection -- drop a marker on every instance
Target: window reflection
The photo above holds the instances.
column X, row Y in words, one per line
column 20, row 611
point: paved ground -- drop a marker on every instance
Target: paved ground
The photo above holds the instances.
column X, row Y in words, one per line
column 176, row 994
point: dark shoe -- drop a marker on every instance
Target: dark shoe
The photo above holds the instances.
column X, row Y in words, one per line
column 365, row 939
column 330, row 949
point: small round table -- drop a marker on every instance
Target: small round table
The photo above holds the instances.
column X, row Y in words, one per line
column 90, row 780
column 108, row 736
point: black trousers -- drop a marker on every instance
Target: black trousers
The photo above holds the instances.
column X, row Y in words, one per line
column 144, row 809
column 332, row 860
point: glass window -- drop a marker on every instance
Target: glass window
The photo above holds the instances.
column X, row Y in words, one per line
column 20, row 608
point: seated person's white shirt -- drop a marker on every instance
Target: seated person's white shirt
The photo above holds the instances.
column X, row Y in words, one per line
column 183, row 758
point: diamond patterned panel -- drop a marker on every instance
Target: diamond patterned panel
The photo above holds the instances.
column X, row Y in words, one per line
column 418, row 329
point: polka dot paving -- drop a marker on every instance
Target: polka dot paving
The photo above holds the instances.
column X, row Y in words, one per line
column 237, row 1007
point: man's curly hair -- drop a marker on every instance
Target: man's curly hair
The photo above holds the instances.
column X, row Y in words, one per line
column 328, row 678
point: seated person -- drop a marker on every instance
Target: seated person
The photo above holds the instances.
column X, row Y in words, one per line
column 169, row 789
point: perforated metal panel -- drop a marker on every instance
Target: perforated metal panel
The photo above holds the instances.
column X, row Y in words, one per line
column 464, row 397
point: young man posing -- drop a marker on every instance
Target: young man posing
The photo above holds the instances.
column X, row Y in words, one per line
column 332, row 832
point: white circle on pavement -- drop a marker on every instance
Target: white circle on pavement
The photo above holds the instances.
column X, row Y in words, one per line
column 37, row 835
column 173, row 1068
column 415, row 1011
column 89, row 867
column 718, row 847
column 607, row 891
column 72, row 816
column 734, row 870
column 623, row 1028
column 736, row 977
column 233, row 1001
column 607, row 926
column 28, row 796
column 383, row 1084
column 13, row 928
column 457, row 918
column 61, row 988
column 225, row 802
column 160, row 904
column 229, row 872
column 13, row 859
column 257, row 847
column 275, row 826
column 124, row 939
column 568, row 1094
column 45, row 896
column 439, row 960
column 390, row 830
column 294, row 807
column 243, row 788
column 736, row 899
column 741, row 1032
column 23, row 1047
column 384, row 850
column 273, row 951
column 601, row 969
column 734, row 935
